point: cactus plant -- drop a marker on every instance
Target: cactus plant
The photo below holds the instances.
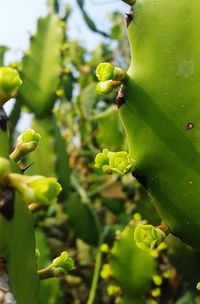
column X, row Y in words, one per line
column 159, row 109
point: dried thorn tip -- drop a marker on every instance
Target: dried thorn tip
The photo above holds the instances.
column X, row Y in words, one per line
column 120, row 99
column 129, row 17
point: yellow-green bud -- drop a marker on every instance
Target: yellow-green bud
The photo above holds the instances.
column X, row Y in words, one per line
column 113, row 290
column 104, row 87
column 148, row 237
column 9, row 84
column 156, row 292
column 157, row 280
column 5, row 167
column 104, row 71
column 198, row 286
column 106, row 271
column 104, row 248
column 26, row 143
column 27, row 136
column 63, row 261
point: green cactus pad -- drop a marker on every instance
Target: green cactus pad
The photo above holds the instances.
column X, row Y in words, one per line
column 42, row 66
column 131, row 277
column 162, row 110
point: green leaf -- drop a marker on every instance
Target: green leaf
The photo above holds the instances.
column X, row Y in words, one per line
column 83, row 220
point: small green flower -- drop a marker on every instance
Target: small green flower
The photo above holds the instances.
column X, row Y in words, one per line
column 46, row 189
column 104, row 71
column 109, row 162
column 148, row 237
column 26, row 143
column 9, row 84
column 102, row 159
column 40, row 189
column 120, row 162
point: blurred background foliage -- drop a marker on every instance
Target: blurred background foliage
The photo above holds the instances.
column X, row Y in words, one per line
column 95, row 216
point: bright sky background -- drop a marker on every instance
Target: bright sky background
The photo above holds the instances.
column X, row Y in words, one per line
column 18, row 20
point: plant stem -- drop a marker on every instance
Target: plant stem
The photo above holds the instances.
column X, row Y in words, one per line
column 95, row 276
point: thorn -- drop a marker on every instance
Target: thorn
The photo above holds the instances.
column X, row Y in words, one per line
column 129, row 17
column 25, row 168
column 7, row 199
column 120, row 99
column 3, row 120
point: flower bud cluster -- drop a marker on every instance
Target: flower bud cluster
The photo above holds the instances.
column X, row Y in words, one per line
column 110, row 77
column 119, row 162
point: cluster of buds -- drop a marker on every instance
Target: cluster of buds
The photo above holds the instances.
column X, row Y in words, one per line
column 58, row 268
column 9, row 84
column 119, row 162
column 109, row 77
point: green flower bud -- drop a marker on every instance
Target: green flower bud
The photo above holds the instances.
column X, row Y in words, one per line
column 26, row 143
column 104, row 71
column 120, row 75
column 4, row 167
column 40, row 189
column 9, row 84
column 59, row 267
column 157, row 280
column 28, row 136
column 63, row 261
column 109, row 162
column 120, row 162
column 45, row 189
column 102, row 161
column 198, row 286
column 106, row 271
column 104, row 87
column 113, row 290
column 148, row 237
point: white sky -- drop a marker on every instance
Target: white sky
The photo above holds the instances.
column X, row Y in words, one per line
column 18, row 19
